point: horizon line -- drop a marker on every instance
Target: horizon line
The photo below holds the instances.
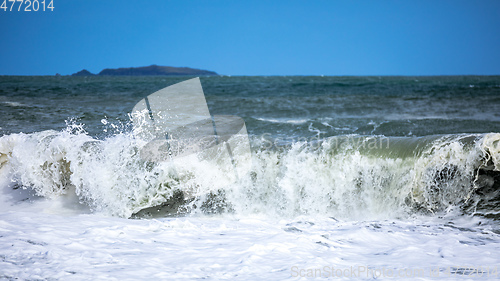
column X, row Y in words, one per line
column 258, row 75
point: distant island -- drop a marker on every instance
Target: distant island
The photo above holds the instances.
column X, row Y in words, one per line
column 152, row 70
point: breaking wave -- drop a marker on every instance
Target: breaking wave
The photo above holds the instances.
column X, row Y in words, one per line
column 349, row 176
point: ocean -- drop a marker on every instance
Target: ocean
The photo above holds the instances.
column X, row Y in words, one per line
column 351, row 178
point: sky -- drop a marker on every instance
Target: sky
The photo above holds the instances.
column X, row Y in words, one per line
column 307, row 37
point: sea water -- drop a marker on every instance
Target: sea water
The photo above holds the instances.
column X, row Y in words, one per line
column 352, row 178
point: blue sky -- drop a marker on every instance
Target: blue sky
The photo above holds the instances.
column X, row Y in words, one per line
column 374, row 37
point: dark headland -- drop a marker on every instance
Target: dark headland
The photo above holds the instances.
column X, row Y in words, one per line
column 152, row 70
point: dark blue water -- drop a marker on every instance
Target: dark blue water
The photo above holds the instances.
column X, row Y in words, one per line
column 285, row 107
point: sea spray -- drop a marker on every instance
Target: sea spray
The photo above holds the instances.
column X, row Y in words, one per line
column 341, row 178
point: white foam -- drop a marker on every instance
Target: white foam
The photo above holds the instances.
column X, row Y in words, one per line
column 344, row 180
column 300, row 211
column 15, row 104
column 83, row 247
column 284, row 120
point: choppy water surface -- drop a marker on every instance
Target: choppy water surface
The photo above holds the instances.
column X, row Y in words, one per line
column 372, row 176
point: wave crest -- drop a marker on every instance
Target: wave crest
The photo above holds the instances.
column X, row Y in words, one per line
column 346, row 177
